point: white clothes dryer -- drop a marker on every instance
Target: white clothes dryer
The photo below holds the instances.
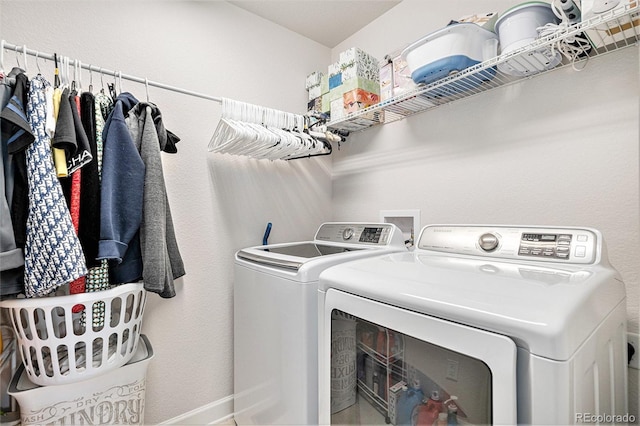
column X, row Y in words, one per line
column 479, row 325
column 276, row 318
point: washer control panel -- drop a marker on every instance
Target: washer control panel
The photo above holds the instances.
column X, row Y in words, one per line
column 356, row 233
column 566, row 245
column 548, row 245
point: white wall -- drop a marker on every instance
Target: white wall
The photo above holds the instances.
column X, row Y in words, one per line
column 558, row 149
column 219, row 203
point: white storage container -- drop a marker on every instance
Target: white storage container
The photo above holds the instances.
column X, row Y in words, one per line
column 449, row 50
column 517, row 28
column 114, row 398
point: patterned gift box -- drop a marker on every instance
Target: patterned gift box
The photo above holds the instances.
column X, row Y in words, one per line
column 315, row 92
column 314, row 79
column 355, row 62
column 358, row 99
column 315, row 104
column 354, row 83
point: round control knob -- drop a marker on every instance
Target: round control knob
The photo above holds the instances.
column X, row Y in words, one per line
column 348, row 233
column 488, row 242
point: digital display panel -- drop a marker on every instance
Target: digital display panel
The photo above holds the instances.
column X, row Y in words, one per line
column 370, row 235
column 540, row 237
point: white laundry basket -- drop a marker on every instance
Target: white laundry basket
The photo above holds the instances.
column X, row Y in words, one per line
column 59, row 346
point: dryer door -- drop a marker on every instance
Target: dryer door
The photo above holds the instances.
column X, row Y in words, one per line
column 379, row 363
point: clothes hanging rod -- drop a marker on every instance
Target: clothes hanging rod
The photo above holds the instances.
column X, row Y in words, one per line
column 17, row 49
column 118, row 74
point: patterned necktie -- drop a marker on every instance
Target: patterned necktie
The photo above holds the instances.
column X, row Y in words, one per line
column 53, row 255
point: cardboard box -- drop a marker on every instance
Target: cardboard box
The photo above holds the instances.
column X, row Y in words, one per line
column 315, row 92
column 335, row 75
column 337, row 109
column 355, row 62
column 386, row 80
column 325, row 104
column 317, row 84
column 402, row 81
column 486, row 20
column 355, row 83
column 356, row 71
column 335, row 81
column 324, row 84
column 617, row 30
column 315, row 104
column 314, row 79
column 395, row 77
column 359, row 99
column 116, row 397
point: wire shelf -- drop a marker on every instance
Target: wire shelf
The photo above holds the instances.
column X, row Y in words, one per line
column 610, row 31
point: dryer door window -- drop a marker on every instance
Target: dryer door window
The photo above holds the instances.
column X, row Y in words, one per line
column 383, row 365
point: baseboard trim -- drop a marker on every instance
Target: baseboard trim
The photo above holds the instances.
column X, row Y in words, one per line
column 213, row 413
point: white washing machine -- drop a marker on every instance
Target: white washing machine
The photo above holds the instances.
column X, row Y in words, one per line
column 479, row 325
column 276, row 318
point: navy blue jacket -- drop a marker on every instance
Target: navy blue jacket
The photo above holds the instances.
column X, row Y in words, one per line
column 122, row 184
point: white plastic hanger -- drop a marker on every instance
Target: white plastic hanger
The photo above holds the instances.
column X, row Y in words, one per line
column 38, row 63
column 24, row 50
column 2, row 57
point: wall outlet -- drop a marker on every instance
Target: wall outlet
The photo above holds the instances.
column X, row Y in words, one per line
column 634, row 340
column 407, row 220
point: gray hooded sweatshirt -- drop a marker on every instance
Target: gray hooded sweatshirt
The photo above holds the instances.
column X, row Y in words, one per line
column 160, row 255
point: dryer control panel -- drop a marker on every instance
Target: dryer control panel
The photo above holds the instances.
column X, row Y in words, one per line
column 566, row 245
column 379, row 234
